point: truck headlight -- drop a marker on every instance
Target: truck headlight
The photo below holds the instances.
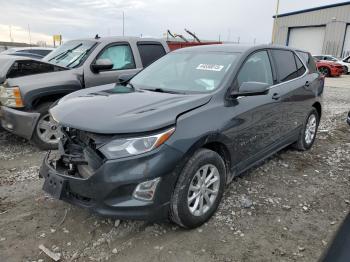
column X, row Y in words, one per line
column 11, row 96
column 124, row 147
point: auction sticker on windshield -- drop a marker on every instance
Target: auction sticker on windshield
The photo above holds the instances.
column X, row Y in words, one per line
column 210, row 67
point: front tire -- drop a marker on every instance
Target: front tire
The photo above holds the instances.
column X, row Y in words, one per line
column 325, row 71
column 45, row 135
column 308, row 132
column 199, row 189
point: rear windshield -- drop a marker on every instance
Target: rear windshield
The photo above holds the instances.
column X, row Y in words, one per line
column 186, row 72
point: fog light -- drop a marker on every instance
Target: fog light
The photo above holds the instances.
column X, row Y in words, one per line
column 9, row 126
column 146, row 190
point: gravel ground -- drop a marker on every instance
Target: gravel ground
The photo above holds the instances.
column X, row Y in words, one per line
column 286, row 209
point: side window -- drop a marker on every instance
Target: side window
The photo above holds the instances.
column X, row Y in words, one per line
column 257, row 68
column 120, row 55
column 150, row 52
column 285, row 63
column 300, row 67
column 308, row 60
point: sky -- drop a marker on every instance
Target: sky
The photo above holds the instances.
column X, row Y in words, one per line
column 248, row 21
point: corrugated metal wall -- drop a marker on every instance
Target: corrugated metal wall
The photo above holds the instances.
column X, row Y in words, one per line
column 335, row 19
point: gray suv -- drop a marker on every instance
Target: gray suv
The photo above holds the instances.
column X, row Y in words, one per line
column 166, row 143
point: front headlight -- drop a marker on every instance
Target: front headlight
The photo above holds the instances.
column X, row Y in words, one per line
column 124, row 147
column 11, row 96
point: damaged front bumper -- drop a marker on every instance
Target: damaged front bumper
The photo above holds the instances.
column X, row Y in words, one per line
column 18, row 122
column 107, row 187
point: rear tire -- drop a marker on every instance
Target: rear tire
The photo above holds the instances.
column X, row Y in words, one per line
column 308, row 132
column 199, row 189
column 48, row 140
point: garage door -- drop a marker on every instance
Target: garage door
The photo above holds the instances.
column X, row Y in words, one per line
column 307, row 38
column 346, row 48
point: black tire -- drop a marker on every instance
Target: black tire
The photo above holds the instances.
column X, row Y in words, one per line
column 301, row 144
column 43, row 109
column 325, row 71
column 180, row 212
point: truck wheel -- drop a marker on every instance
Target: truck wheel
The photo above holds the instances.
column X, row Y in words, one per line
column 45, row 135
column 307, row 134
column 199, row 189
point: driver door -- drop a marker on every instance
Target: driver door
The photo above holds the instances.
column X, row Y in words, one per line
column 259, row 115
column 121, row 55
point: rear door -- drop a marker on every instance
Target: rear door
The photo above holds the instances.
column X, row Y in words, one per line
column 292, row 90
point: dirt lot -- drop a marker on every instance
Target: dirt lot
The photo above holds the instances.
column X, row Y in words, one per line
column 287, row 209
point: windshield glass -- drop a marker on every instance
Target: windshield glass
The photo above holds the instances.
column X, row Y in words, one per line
column 70, row 54
column 186, row 72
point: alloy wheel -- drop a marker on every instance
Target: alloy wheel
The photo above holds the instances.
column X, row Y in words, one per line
column 324, row 71
column 310, row 130
column 203, row 190
column 47, row 130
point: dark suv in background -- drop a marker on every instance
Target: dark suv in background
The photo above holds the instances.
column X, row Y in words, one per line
column 165, row 144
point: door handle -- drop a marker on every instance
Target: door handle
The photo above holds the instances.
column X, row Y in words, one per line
column 276, row 96
column 307, row 84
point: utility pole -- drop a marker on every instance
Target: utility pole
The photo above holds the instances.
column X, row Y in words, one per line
column 274, row 28
column 123, row 23
column 30, row 38
column 10, row 30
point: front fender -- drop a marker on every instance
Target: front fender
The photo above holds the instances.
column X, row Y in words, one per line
column 49, row 84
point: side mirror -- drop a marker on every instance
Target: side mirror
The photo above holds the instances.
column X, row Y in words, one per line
column 251, row 89
column 101, row 64
column 125, row 78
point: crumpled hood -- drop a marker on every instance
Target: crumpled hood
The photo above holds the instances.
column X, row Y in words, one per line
column 96, row 111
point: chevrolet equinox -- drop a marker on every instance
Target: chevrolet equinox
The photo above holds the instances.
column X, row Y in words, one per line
column 165, row 142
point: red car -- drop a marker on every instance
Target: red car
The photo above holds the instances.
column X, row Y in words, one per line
column 329, row 68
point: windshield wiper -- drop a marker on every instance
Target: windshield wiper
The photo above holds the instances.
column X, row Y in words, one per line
column 79, row 57
column 63, row 54
column 161, row 90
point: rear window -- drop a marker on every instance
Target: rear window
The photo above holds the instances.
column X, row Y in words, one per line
column 150, row 52
column 285, row 63
column 308, row 60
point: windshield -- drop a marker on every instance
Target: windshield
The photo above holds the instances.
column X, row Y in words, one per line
column 186, row 72
column 70, row 54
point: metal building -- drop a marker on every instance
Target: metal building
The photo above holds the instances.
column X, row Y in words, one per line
column 320, row 30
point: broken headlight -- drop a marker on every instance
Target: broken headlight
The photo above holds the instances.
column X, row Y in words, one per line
column 124, row 147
